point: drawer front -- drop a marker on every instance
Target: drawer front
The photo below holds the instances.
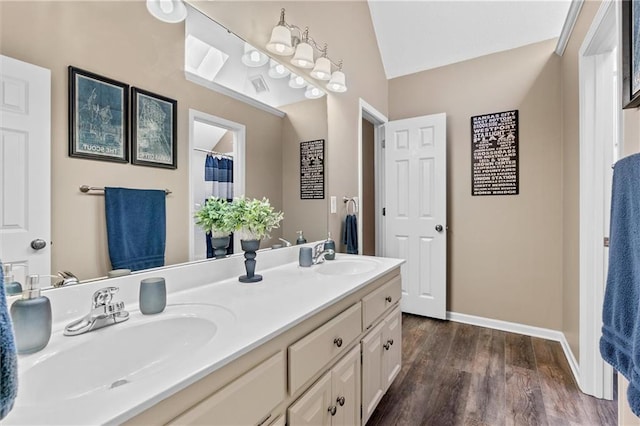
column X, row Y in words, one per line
column 247, row 400
column 379, row 300
column 309, row 354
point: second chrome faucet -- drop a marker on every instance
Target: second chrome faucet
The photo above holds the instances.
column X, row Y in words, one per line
column 104, row 312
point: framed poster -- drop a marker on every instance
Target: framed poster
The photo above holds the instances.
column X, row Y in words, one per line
column 630, row 53
column 312, row 170
column 494, row 154
column 98, row 117
column 153, row 129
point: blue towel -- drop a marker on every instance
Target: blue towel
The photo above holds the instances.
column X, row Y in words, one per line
column 620, row 341
column 350, row 234
column 8, row 357
column 136, row 227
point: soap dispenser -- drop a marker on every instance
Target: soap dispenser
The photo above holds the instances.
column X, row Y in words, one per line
column 329, row 244
column 301, row 239
column 31, row 317
column 12, row 287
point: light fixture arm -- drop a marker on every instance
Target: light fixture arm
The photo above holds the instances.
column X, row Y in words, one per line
column 305, row 37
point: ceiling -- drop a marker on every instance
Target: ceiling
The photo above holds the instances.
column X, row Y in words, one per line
column 419, row 35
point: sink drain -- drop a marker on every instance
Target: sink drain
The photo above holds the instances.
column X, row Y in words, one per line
column 118, row 383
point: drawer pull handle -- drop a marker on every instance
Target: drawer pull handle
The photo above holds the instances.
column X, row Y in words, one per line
column 337, row 341
column 388, row 299
column 333, row 409
column 386, row 346
column 340, row 401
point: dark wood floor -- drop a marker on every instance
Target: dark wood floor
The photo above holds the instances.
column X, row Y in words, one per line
column 458, row 374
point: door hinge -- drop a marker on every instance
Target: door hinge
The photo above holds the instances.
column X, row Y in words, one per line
column 384, row 211
column 606, row 241
column 384, row 143
column 360, row 411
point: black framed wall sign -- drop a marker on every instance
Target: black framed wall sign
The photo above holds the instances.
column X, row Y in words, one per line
column 494, row 154
column 312, row 170
column 630, row 53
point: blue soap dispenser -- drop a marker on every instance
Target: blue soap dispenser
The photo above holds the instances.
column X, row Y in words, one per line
column 329, row 244
column 11, row 286
column 31, row 317
column 301, row 239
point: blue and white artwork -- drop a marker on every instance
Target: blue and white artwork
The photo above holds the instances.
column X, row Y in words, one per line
column 635, row 46
column 100, row 114
column 154, row 130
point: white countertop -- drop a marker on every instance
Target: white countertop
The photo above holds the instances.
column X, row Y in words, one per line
column 287, row 295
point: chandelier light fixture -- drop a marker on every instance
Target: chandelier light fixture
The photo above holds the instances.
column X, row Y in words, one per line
column 288, row 39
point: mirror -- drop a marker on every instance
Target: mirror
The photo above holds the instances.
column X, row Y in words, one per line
column 122, row 41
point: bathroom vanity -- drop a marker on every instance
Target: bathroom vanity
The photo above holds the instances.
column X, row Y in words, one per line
column 318, row 345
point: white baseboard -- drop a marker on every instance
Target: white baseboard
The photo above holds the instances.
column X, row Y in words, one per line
column 527, row 330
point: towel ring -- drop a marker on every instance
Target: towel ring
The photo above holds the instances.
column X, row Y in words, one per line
column 347, row 201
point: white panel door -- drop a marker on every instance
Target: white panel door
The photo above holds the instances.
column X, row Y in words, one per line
column 313, row 408
column 416, row 210
column 373, row 375
column 25, row 166
column 392, row 338
column 345, row 383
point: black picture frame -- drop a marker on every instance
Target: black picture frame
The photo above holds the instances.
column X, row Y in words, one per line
column 312, row 170
column 154, row 133
column 98, row 117
column 630, row 53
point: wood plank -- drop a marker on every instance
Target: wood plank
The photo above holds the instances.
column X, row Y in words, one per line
column 463, row 347
column 486, row 398
column 519, row 352
column 559, row 391
column 446, row 406
column 524, row 397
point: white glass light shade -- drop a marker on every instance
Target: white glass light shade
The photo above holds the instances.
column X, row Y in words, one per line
column 280, row 41
column 171, row 11
column 313, row 93
column 322, row 70
column 304, row 56
column 277, row 70
column 252, row 57
column 296, row 82
column 337, row 82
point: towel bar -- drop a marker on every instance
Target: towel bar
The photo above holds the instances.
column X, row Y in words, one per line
column 87, row 188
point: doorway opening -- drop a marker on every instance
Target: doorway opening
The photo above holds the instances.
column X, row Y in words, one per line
column 370, row 180
column 216, row 167
column 600, row 118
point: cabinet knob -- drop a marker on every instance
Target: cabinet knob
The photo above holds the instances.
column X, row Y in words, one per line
column 333, row 409
column 386, row 346
column 390, row 341
column 388, row 299
column 337, row 341
column 340, row 400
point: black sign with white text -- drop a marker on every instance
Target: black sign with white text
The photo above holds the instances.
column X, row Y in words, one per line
column 494, row 154
column 312, row 170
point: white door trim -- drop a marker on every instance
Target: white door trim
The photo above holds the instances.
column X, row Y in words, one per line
column 596, row 377
column 239, row 152
column 378, row 119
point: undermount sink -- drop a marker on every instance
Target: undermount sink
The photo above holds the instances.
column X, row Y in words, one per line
column 114, row 356
column 346, row 267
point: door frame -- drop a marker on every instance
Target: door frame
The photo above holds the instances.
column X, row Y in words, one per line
column 239, row 150
column 378, row 119
column 596, row 376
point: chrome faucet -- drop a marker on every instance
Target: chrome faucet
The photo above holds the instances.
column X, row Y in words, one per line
column 319, row 252
column 286, row 243
column 67, row 278
column 103, row 313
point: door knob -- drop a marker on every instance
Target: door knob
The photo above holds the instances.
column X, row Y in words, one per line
column 38, row 244
column 439, row 228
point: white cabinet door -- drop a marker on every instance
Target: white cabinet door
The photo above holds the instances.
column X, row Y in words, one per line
column 312, row 409
column 393, row 346
column 373, row 376
column 25, row 166
column 345, row 383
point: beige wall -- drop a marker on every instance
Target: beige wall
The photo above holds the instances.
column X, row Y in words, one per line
column 305, row 121
column 121, row 40
column 347, row 28
column 504, row 253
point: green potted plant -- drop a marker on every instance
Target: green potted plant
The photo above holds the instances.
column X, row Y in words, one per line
column 253, row 219
column 215, row 217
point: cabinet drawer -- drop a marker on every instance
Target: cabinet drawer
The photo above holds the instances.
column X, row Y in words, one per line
column 309, row 354
column 378, row 301
column 245, row 401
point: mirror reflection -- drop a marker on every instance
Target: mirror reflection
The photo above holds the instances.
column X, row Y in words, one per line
column 145, row 53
